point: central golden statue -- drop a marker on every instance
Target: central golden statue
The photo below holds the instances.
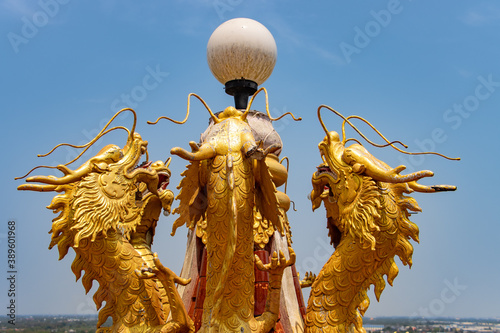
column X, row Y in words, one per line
column 229, row 177
column 239, row 270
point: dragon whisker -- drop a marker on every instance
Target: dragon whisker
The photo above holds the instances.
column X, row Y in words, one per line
column 214, row 117
column 267, row 107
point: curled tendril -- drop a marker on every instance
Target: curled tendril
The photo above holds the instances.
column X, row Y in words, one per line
column 389, row 143
column 37, row 167
column 376, row 145
column 86, row 146
column 216, row 120
column 287, row 166
column 267, row 107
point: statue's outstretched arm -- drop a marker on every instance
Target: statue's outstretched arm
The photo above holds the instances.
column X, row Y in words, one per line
column 275, row 268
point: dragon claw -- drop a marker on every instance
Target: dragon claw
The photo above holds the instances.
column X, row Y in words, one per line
column 277, row 264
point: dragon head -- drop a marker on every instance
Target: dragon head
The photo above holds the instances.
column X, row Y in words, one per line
column 329, row 183
column 368, row 219
column 351, row 184
column 107, row 192
column 328, row 172
column 163, row 173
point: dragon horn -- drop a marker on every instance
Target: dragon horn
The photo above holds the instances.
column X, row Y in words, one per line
column 87, row 146
column 393, row 176
column 363, row 164
column 99, row 135
column 321, row 120
column 431, row 189
column 36, row 187
column 346, row 120
column 389, row 143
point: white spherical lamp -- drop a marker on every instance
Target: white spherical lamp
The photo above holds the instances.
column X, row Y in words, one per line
column 241, row 54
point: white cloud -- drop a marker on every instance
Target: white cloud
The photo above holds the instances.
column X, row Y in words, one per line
column 484, row 15
column 464, row 73
column 17, row 7
column 300, row 40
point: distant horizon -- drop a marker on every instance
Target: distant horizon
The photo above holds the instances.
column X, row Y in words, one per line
column 365, row 319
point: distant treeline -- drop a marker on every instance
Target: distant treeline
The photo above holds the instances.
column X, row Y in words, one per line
column 51, row 324
column 82, row 324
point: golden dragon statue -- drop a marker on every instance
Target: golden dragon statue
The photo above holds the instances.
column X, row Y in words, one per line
column 368, row 221
column 110, row 205
column 109, row 208
column 225, row 184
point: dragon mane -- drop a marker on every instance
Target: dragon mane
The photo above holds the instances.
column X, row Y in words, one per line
column 88, row 217
column 86, row 213
column 374, row 227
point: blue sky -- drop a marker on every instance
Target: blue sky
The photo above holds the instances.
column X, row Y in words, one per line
column 424, row 72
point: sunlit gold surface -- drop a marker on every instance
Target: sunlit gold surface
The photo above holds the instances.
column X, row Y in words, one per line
column 227, row 183
column 367, row 212
column 109, row 209
column 262, row 229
